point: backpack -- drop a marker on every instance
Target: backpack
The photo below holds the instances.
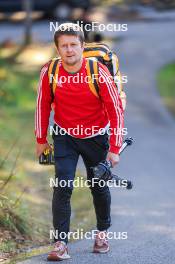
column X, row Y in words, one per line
column 94, row 52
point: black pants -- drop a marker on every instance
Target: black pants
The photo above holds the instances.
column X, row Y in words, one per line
column 66, row 152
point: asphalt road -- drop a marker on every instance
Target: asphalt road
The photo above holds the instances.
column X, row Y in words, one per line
column 147, row 212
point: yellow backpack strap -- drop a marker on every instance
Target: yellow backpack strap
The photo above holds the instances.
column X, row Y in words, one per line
column 92, row 72
column 53, row 71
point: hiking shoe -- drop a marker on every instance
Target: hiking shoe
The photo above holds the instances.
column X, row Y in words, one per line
column 60, row 252
column 101, row 244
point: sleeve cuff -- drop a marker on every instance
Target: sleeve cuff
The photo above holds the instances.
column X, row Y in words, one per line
column 114, row 149
column 41, row 140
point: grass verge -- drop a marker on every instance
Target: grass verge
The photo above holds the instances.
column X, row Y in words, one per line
column 166, row 85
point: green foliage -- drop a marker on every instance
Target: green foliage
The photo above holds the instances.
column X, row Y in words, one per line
column 166, row 85
column 7, row 246
column 17, row 88
column 13, row 218
column 166, row 81
column 17, row 100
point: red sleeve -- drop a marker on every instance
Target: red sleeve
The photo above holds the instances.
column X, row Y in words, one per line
column 43, row 107
column 112, row 102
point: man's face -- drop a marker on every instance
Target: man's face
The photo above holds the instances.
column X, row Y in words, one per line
column 70, row 49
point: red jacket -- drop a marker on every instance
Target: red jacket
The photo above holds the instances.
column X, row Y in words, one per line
column 76, row 106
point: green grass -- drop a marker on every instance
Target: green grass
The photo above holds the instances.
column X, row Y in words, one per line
column 25, row 202
column 166, row 85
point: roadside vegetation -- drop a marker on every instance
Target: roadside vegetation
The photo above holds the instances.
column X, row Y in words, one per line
column 166, row 86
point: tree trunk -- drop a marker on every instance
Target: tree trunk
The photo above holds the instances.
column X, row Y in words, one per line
column 27, row 6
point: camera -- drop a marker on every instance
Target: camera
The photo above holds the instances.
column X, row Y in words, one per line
column 103, row 172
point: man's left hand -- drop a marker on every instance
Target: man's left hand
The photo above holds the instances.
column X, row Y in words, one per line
column 113, row 158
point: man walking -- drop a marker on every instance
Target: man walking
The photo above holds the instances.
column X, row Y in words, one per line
column 76, row 106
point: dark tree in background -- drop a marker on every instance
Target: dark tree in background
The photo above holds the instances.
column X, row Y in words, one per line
column 27, row 7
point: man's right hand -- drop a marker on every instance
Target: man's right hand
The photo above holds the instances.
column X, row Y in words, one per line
column 40, row 148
